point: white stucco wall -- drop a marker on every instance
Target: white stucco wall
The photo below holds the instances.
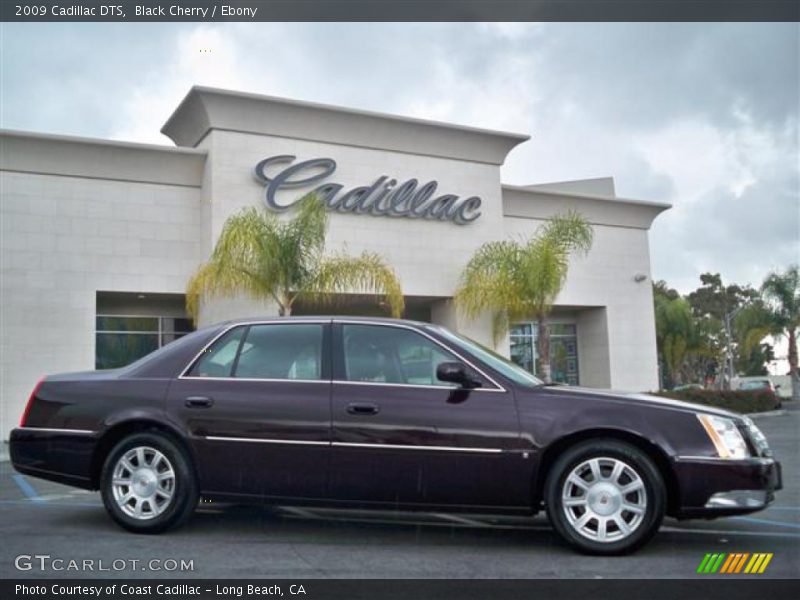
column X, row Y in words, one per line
column 63, row 239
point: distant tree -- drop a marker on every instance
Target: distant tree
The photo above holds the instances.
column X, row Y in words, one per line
column 520, row 280
column 715, row 307
column 777, row 314
column 661, row 288
column 755, row 362
column 703, row 360
column 715, row 299
column 676, row 335
column 754, row 323
column 272, row 259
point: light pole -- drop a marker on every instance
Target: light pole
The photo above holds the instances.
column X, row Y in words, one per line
column 728, row 322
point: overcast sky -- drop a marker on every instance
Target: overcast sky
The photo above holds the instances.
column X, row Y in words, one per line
column 704, row 116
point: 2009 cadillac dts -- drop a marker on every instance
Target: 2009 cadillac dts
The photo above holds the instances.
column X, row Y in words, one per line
column 377, row 413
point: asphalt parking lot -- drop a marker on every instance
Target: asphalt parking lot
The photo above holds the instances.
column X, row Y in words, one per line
column 41, row 518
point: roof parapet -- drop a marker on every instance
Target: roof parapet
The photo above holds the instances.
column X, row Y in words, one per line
column 204, row 109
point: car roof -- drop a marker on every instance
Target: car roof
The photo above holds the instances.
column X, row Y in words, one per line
column 325, row 318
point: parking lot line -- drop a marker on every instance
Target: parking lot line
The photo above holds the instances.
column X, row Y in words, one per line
column 44, row 504
column 744, row 532
column 767, row 522
column 26, row 488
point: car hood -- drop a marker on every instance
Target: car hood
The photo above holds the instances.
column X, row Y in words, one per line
column 642, row 400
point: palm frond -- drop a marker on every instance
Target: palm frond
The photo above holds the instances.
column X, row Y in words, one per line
column 782, row 292
column 500, row 326
column 570, row 232
column 304, row 235
column 366, row 273
column 754, row 323
column 489, row 279
column 263, row 256
column 242, row 261
column 545, row 267
column 521, row 280
column 216, row 279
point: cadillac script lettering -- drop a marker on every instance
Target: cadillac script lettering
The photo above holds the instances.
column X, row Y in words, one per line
column 385, row 197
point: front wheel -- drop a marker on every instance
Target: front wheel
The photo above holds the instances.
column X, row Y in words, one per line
column 605, row 497
column 148, row 484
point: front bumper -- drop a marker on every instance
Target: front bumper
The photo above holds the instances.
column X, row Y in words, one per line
column 756, row 499
column 712, row 487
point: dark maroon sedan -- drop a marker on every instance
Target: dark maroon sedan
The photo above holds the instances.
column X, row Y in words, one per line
column 380, row 413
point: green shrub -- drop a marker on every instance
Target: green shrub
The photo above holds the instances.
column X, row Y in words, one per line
column 740, row 401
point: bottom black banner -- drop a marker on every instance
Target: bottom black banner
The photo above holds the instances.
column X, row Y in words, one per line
column 397, row 589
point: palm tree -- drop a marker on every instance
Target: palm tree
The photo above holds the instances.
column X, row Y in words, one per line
column 777, row 314
column 675, row 334
column 518, row 281
column 283, row 260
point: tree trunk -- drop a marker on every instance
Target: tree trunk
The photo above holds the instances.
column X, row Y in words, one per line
column 543, row 347
column 677, row 378
column 794, row 376
column 284, row 305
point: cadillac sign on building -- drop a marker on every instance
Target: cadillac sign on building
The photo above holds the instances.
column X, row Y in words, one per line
column 385, row 197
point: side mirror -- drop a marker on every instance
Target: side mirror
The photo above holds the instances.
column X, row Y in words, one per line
column 456, row 372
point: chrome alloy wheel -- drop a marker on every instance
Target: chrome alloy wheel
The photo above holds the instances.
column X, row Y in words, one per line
column 143, row 483
column 604, row 499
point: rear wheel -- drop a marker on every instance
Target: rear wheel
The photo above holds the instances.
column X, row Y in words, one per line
column 148, row 484
column 605, row 497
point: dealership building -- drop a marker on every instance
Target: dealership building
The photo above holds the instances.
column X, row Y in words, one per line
column 100, row 237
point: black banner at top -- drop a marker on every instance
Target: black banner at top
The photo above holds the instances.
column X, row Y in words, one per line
column 398, row 10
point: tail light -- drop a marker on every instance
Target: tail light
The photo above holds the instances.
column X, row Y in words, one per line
column 27, row 410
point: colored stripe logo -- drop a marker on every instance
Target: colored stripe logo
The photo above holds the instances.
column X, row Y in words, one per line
column 735, row 563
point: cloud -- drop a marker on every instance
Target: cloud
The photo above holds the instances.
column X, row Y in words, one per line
column 73, row 79
column 204, row 55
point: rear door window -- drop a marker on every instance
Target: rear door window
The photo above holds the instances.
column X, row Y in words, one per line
column 281, row 351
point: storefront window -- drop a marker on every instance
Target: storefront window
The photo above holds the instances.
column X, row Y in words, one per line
column 563, row 350
column 120, row 340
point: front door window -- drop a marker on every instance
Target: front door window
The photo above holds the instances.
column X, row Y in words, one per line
column 378, row 354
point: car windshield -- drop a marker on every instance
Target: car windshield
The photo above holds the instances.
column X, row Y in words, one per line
column 497, row 362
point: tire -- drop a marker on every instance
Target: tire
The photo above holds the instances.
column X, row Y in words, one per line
column 161, row 489
column 618, row 521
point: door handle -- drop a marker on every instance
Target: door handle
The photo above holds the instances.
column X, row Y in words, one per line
column 199, row 402
column 363, row 409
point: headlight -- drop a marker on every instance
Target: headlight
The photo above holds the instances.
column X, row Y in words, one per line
column 725, row 436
